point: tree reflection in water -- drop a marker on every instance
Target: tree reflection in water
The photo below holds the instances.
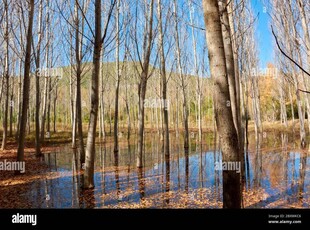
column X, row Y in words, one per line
column 276, row 176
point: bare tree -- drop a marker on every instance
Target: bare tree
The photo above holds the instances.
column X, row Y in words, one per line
column 230, row 66
column 304, row 19
column 163, row 83
column 78, row 59
column 198, row 78
column 223, row 113
column 46, row 75
column 182, row 79
column 90, row 146
column 91, row 136
column 26, row 86
column 284, row 18
column 118, row 78
column 37, row 81
column 6, row 76
column 144, row 75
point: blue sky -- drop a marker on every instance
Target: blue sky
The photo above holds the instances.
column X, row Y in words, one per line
column 264, row 36
column 265, row 41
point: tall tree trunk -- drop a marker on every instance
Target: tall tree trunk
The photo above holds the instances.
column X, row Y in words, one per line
column 256, row 106
column 128, row 116
column 29, row 118
column 243, row 130
column 177, row 113
column 183, row 83
column 78, row 106
column 300, row 113
column 37, row 82
column 19, row 98
column 91, row 136
column 72, row 97
column 198, row 80
column 1, row 89
column 237, row 43
column 54, row 107
column 110, row 118
column 246, row 114
column 48, row 124
column 102, row 108
column 282, row 101
column 230, row 9
column 12, row 107
column 6, row 77
column 164, row 90
column 223, row 113
column 142, row 92
column 26, row 86
column 292, row 104
column 230, row 66
column 118, row 78
column 79, row 120
column 143, row 82
column 46, row 78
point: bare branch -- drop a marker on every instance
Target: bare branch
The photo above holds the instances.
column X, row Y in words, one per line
column 108, row 21
column 84, row 16
column 278, row 45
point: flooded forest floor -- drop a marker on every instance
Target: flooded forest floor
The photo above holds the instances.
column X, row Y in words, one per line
column 277, row 174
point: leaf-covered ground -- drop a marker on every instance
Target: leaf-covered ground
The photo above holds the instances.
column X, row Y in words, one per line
column 13, row 186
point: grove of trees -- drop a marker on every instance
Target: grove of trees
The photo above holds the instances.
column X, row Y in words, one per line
column 99, row 68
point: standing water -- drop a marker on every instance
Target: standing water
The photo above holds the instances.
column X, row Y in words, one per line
column 276, row 176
